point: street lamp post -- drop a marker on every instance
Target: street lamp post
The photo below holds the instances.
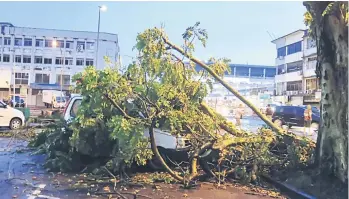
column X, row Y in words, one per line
column 54, row 44
column 100, row 8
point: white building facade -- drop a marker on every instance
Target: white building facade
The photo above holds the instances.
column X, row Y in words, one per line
column 295, row 69
column 35, row 59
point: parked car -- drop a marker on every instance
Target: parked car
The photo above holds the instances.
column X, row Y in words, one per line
column 167, row 144
column 294, row 116
column 16, row 101
column 11, row 117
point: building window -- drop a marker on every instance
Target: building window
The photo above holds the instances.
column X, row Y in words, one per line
column 42, row 78
column 38, row 60
column 89, row 62
column 312, row 84
column 311, row 43
column 79, row 62
column 281, row 52
column 90, row 46
column 257, row 72
column 28, row 42
column 18, row 59
column 69, row 44
column 59, row 61
column 39, row 43
column 294, row 66
column 281, row 69
column 6, row 58
column 60, row 44
column 21, row 78
column 294, row 86
column 48, row 43
column 270, row 72
column 311, row 64
column 18, row 41
column 7, row 41
column 294, row 48
column 80, row 47
column 27, row 59
column 242, row 71
column 66, row 79
column 68, row 61
column 47, row 61
column 0, row 41
column 280, row 88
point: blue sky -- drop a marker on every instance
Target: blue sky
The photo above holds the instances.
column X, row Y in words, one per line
column 237, row 30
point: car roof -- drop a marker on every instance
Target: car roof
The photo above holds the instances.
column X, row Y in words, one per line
column 291, row 106
column 77, row 97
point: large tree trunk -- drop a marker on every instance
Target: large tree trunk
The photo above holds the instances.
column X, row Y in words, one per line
column 331, row 33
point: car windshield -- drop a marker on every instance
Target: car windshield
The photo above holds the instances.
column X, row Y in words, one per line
column 315, row 110
column 60, row 99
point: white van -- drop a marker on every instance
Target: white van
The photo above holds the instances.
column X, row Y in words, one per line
column 10, row 117
column 163, row 139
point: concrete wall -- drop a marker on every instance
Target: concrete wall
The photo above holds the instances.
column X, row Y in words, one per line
column 289, row 77
column 5, row 79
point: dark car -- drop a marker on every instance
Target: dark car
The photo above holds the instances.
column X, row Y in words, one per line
column 294, row 116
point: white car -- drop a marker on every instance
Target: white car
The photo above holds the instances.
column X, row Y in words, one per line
column 163, row 139
column 10, row 117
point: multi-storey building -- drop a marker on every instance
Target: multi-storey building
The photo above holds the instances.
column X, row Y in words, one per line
column 295, row 79
column 311, row 88
column 35, row 59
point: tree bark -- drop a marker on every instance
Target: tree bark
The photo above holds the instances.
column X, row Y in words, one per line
column 331, row 33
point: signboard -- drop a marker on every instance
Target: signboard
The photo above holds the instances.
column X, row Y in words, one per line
column 264, row 96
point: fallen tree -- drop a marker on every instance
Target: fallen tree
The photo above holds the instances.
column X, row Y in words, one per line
column 161, row 91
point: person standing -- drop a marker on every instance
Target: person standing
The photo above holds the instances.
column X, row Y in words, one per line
column 238, row 115
column 269, row 112
column 307, row 119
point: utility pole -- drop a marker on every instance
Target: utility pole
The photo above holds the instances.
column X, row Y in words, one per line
column 100, row 8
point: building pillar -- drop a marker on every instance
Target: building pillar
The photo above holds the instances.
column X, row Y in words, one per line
column 264, row 73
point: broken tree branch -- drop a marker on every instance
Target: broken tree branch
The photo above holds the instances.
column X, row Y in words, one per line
column 226, row 85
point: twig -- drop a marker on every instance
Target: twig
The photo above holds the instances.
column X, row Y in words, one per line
column 116, row 192
column 136, row 194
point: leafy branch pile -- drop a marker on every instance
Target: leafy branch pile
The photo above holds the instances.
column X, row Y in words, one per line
column 160, row 91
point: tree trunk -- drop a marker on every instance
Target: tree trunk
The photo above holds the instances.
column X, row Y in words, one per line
column 331, row 34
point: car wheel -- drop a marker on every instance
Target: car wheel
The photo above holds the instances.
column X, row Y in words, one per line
column 15, row 123
column 278, row 122
column 314, row 126
column 155, row 164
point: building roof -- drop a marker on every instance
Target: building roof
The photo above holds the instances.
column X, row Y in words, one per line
column 11, row 25
column 198, row 68
column 299, row 30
